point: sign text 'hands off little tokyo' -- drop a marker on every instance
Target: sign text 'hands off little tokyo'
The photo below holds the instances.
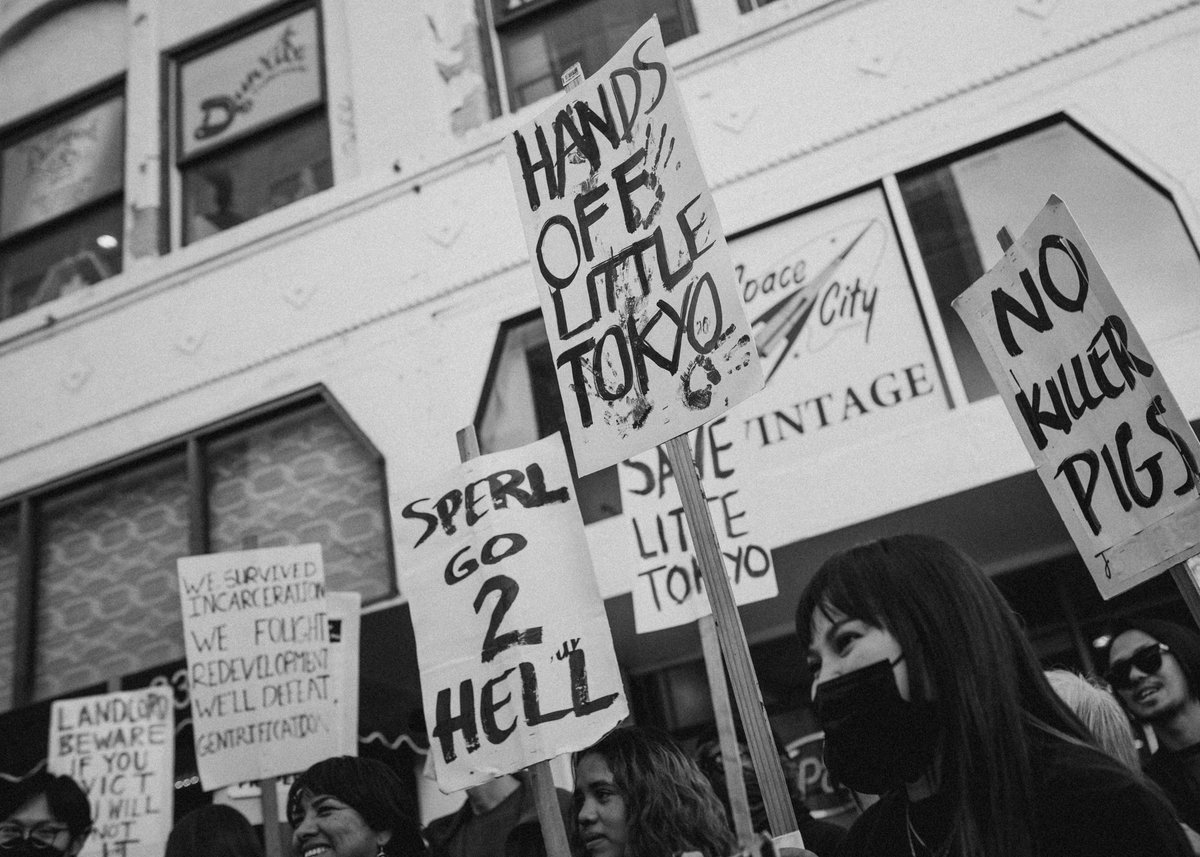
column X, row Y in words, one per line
column 649, row 337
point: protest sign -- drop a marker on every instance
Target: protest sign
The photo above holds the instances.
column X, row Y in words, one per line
column 120, row 748
column 1109, row 441
column 517, row 664
column 668, row 588
column 632, row 270
column 256, row 636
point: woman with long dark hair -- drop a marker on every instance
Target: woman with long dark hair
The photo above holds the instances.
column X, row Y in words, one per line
column 931, row 697
column 637, row 794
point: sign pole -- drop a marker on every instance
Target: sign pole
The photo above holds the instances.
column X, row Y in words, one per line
column 731, row 754
column 268, row 796
column 541, row 779
column 732, row 637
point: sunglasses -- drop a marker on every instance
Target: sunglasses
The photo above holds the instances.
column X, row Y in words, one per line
column 1147, row 660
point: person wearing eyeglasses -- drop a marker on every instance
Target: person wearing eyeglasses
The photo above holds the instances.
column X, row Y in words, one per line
column 44, row 815
column 1154, row 668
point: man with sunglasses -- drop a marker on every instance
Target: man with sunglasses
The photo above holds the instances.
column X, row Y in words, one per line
column 43, row 816
column 1154, row 667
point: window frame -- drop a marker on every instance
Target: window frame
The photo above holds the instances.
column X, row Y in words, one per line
column 191, row 446
column 1092, row 130
column 111, row 89
column 175, row 162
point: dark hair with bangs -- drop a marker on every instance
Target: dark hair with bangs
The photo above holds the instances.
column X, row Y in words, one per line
column 968, row 657
column 670, row 805
column 215, row 830
column 370, row 788
column 64, row 797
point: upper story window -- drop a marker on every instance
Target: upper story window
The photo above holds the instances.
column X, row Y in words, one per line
column 251, row 129
column 541, row 39
column 958, row 204
column 61, row 201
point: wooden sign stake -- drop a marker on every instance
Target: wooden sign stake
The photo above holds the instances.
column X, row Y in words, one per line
column 268, row 797
column 541, row 779
column 732, row 637
column 731, row 754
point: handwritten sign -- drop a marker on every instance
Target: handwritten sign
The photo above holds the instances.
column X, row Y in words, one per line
column 668, row 589
column 633, row 274
column 1110, row 443
column 517, row 664
column 120, row 748
column 257, row 643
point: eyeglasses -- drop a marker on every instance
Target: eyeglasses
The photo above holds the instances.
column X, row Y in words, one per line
column 1148, row 661
column 40, row 835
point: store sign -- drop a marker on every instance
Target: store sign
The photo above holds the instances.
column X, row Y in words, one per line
column 630, row 263
column 60, row 169
column 842, row 338
column 668, row 589
column 517, row 661
column 272, row 73
column 256, row 633
column 823, row 797
column 120, row 748
column 1109, row 441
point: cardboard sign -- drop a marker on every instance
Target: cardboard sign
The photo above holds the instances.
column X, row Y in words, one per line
column 1111, row 445
column 632, row 270
column 257, row 642
column 345, row 624
column 517, row 663
column 667, row 588
column 120, row 747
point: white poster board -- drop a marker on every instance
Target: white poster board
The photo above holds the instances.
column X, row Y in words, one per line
column 668, row 589
column 517, row 663
column 632, row 270
column 120, row 748
column 345, row 634
column 1109, row 441
column 256, row 636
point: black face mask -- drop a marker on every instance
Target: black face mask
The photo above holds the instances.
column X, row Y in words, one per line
column 25, row 848
column 874, row 739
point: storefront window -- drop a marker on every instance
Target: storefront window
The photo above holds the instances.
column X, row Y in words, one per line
column 105, row 547
column 108, row 603
column 520, row 404
column 957, row 206
column 61, row 218
column 540, row 40
column 303, row 479
column 252, row 132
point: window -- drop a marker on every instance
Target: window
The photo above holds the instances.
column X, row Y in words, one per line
column 541, row 39
column 520, row 403
column 61, row 202
column 251, row 127
column 958, row 205
column 104, row 550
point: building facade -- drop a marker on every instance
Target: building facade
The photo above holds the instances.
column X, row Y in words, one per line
column 260, row 261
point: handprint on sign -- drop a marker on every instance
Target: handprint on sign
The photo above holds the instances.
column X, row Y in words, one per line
column 650, row 177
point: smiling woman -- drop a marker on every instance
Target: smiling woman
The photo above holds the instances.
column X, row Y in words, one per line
column 350, row 807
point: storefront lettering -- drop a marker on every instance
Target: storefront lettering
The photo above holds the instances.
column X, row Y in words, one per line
column 284, row 57
column 836, row 407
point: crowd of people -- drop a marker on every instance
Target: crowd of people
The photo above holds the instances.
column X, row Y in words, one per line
column 936, row 713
